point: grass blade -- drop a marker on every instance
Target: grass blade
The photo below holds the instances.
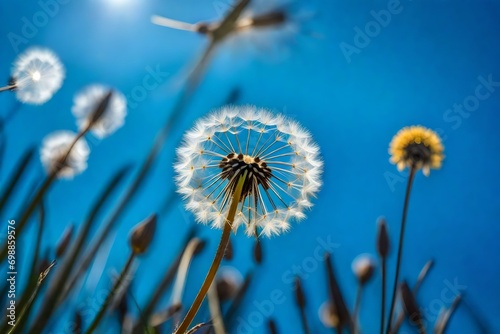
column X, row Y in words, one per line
column 16, row 176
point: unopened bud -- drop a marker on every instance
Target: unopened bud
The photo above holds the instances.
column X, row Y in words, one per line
column 363, row 267
column 142, row 235
column 382, row 239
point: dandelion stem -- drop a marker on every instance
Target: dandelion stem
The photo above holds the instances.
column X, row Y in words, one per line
column 217, row 259
column 400, row 245
column 382, row 306
column 8, row 87
column 111, row 294
column 355, row 312
column 47, row 183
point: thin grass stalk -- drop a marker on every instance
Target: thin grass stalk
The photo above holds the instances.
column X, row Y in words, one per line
column 30, row 301
column 237, row 301
column 423, row 273
column 167, row 279
column 357, row 303
column 183, row 327
column 182, row 271
column 384, row 284
column 215, row 311
column 400, row 246
column 143, row 320
column 16, row 177
column 445, row 317
column 300, row 301
column 111, row 294
column 54, row 296
column 32, row 283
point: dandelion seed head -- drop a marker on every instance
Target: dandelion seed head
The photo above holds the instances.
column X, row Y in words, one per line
column 418, row 147
column 86, row 102
column 37, row 74
column 55, row 147
column 281, row 160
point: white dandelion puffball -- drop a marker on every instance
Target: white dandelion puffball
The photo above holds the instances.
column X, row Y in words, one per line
column 86, row 102
column 56, row 145
column 37, row 75
column 281, row 160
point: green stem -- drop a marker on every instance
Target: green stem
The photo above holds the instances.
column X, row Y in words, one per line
column 111, row 295
column 400, row 246
column 226, row 232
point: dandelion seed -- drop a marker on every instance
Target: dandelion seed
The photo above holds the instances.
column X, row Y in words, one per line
column 36, row 76
column 418, row 147
column 55, row 146
column 86, row 102
column 281, row 160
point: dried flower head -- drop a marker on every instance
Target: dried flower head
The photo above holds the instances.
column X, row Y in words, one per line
column 281, row 160
column 363, row 267
column 55, row 146
column 88, row 100
column 37, row 75
column 417, row 147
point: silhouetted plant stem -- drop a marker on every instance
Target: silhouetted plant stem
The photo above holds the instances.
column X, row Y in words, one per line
column 28, row 304
column 300, row 301
column 215, row 311
column 423, row 273
column 382, row 306
column 400, row 246
column 226, row 232
column 111, row 294
column 355, row 312
column 33, row 204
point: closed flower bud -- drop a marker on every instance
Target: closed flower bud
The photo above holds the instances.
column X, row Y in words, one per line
column 142, row 234
column 382, row 239
column 363, row 267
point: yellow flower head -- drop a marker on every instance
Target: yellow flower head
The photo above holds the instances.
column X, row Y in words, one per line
column 417, row 147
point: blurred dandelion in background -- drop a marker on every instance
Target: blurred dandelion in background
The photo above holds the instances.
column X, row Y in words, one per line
column 56, row 145
column 418, row 147
column 283, row 164
column 87, row 101
column 37, row 75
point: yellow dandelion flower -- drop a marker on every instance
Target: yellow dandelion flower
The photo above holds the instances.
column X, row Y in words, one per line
column 417, row 147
